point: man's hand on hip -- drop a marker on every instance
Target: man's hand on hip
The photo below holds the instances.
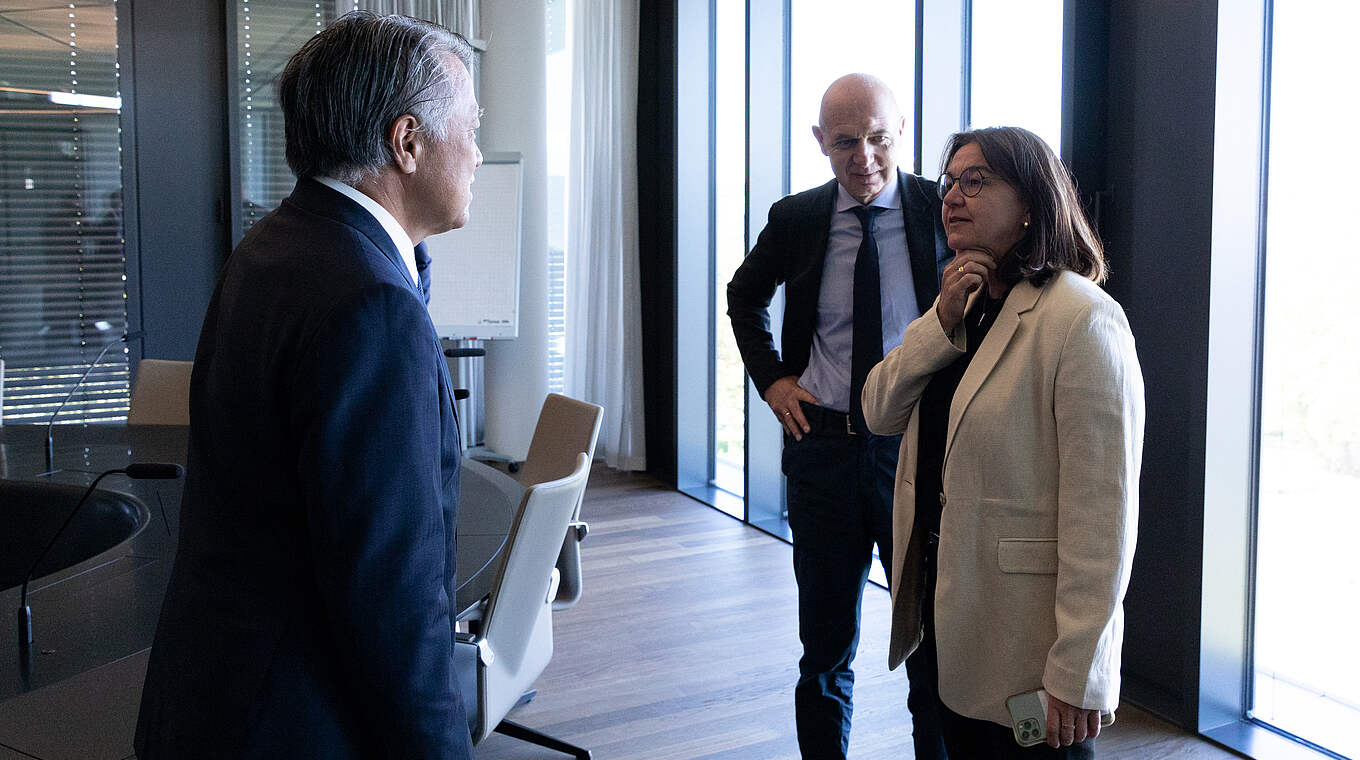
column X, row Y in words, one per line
column 783, row 396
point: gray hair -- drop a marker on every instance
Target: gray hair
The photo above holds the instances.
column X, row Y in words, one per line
column 344, row 89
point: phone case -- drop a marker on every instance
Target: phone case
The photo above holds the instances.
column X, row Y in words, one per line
column 1029, row 716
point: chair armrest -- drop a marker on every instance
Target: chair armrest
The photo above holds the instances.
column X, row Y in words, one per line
column 578, row 529
column 569, row 565
column 554, row 579
column 463, row 641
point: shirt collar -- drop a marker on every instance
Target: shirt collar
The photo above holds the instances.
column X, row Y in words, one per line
column 389, row 223
column 886, row 199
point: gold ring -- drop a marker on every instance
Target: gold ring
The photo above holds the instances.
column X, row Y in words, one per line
column 960, row 270
column 787, row 413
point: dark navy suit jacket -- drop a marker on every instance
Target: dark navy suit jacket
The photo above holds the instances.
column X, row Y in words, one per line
column 308, row 611
column 791, row 250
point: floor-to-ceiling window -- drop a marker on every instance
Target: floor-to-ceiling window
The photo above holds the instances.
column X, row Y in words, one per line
column 826, row 43
column 1015, row 66
column 63, row 283
column 747, row 120
column 1305, row 669
column 1281, row 577
column 729, row 247
column 558, row 17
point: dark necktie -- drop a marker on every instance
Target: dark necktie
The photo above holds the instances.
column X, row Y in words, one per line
column 423, row 271
column 867, row 345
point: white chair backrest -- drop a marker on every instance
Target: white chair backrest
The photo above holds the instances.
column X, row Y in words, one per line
column 160, row 393
column 518, row 622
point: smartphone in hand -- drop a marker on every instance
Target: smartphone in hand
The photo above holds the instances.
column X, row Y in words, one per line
column 1029, row 717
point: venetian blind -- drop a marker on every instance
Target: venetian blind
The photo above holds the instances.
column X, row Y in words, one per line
column 62, row 266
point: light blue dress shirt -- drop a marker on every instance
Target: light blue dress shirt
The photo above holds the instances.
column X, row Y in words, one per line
column 828, row 372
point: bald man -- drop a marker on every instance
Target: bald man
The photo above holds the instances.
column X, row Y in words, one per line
column 859, row 258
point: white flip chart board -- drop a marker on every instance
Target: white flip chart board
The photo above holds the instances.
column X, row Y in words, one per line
column 474, row 270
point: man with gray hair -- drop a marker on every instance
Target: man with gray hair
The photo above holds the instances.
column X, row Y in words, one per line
column 308, row 612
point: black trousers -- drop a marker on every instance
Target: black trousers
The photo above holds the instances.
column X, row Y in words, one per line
column 969, row 738
column 840, row 504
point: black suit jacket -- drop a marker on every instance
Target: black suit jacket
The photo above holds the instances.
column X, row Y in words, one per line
column 791, row 251
column 308, row 612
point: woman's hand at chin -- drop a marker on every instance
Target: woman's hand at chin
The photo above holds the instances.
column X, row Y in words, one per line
column 970, row 270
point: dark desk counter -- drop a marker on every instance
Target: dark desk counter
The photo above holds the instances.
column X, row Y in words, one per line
column 75, row 694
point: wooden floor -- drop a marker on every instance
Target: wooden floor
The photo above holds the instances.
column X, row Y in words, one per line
column 685, row 646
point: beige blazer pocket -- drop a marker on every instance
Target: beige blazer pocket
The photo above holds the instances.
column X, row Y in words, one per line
column 1035, row 556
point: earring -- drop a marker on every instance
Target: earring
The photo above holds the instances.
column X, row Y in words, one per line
column 1025, row 224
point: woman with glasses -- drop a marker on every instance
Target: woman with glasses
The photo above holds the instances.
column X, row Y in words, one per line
column 1021, row 403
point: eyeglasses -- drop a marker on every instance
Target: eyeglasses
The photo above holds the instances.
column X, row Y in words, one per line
column 970, row 182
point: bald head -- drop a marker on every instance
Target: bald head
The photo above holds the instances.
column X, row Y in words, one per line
column 858, row 129
column 855, row 94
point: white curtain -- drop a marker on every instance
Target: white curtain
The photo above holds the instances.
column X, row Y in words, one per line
column 603, row 361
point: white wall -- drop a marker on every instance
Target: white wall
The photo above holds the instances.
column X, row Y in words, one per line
column 514, row 94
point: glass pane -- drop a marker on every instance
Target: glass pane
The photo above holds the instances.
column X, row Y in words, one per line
column 1017, row 66
column 62, row 269
column 826, row 45
column 559, row 31
column 267, row 35
column 1306, row 667
column 729, row 159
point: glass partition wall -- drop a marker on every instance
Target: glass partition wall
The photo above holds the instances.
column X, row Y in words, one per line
column 266, row 34
column 63, row 268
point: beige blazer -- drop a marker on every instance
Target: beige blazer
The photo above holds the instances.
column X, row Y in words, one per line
column 1041, row 466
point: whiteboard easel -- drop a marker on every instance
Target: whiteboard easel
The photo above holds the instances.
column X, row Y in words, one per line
column 474, row 270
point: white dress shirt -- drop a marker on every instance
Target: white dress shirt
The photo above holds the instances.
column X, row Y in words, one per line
column 828, row 372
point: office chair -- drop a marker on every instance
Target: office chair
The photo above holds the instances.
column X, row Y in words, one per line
column 499, row 663
column 566, row 427
column 160, row 393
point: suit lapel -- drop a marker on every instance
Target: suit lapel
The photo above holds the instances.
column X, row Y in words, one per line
column 1022, row 298
column 818, row 232
column 918, row 219
column 808, row 233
